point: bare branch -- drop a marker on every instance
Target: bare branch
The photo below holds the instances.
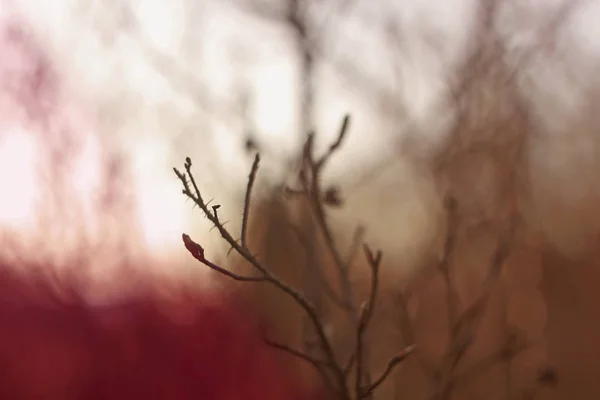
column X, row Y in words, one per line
column 357, row 239
column 392, row 363
column 452, row 298
column 312, row 189
column 198, row 253
column 366, row 314
column 335, row 145
column 316, row 269
column 464, row 332
column 245, row 215
column 408, row 332
column 506, row 352
column 320, row 365
column 191, row 190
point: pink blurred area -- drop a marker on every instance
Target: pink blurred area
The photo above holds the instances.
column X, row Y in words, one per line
column 61, row 218
column 53, row 345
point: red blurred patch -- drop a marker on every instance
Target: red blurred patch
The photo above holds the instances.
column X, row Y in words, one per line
column 55, row 346
column 144, row 344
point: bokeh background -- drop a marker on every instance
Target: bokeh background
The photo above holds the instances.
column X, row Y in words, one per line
column 490, row 103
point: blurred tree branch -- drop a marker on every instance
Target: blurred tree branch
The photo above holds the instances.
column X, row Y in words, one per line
column 333, row 371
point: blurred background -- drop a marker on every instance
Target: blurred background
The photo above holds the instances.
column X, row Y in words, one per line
column 491, row 106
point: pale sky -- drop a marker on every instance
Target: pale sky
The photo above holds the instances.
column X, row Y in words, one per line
column 161, row 80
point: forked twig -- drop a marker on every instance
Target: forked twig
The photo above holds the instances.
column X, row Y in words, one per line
column 392, row 363
column 335, row 374
column 464, row 331
column 191, row 190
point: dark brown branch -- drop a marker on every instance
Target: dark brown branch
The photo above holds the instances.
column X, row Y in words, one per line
column 506, row 352
column 357, row 240
column 198, row 253
column 310, row 179
column 315, row 268
column 297, row 353
column 268, row 276
column 408, row 332
column 366, row 314
column 245, row 215
column 320, row 365
column 452, row 298
column 465, row 330
column 311, row 186
column 392, row 363
column 335, row 146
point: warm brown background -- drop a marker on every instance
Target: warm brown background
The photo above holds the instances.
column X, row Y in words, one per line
column 546, row 294
column 542, row 296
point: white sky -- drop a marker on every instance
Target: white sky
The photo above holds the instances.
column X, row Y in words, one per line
column 173, row 88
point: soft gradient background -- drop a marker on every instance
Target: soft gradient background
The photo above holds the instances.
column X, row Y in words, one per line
column 99, row 99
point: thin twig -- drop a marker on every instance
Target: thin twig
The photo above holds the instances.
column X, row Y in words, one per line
column 314, row 266
column 366, row 314
column 245, row 215
column 357, row 240
column 313, row 190
column 310, row 179
column 452, row 298
column 408, row 332
column 464, row 332
column 267, row 275
column 393, row 362
column 506, row 352
column 198, row 253
column 335, row 145
column 320, row 365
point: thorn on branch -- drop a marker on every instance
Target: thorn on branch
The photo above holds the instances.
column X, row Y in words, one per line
column 215, row 208
column 229, row 251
